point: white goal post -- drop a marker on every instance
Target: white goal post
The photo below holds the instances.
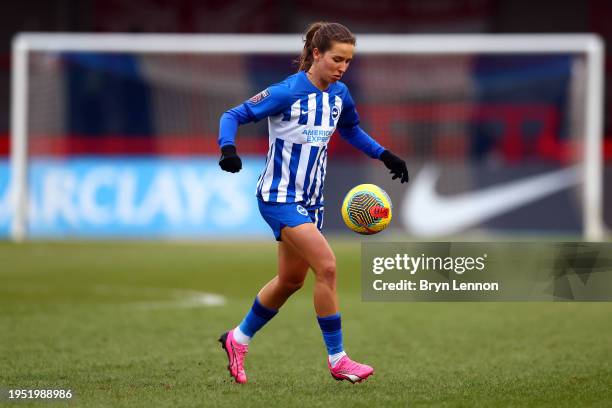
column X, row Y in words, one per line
column 589, row 45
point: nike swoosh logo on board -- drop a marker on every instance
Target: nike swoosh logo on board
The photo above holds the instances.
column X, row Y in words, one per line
column 425, row 212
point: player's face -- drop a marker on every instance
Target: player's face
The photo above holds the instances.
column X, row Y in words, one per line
column 333, row 63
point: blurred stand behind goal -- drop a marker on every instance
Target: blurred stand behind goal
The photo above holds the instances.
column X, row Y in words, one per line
column 115, row 135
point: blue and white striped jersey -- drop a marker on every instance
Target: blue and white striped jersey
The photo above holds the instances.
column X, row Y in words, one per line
column 301, row 121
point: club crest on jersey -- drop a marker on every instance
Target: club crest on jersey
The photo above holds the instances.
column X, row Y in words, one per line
column 335, row 112
column 260, row 96
column 302, row 210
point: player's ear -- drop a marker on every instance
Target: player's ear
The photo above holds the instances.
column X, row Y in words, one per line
column 316, row 54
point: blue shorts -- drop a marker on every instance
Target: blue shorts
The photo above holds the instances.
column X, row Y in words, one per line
column 279, row 215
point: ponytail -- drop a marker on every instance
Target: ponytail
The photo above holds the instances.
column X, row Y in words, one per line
column 320, row 35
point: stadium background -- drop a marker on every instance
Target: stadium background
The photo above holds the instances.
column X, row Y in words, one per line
column 120, row 105
column 135, row 323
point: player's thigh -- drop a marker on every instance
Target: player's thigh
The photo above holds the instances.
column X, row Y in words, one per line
column 308, row 241
column 292, row 267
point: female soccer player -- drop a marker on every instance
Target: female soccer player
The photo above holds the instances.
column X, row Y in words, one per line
column 303, row 111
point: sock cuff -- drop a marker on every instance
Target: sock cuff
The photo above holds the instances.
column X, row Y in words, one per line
column 330, row 323
column 262, row 311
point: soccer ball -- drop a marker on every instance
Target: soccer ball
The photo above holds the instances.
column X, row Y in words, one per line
column 367, row 209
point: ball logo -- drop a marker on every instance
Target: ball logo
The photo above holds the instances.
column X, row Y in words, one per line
column 379, row 212
column 335, row 112
column 302, row 210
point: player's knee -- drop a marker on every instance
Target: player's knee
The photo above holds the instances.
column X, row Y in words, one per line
column 290, row 286
column 326, row 273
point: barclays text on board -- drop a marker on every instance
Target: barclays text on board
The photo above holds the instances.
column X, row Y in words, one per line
column 143, row 197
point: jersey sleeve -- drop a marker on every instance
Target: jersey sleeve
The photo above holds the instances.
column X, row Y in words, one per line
column 229, row 122
column 362, row 141
column 349, row 118
column 269, row 102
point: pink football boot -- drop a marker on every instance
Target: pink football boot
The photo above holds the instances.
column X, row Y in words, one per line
column 236, row 353
column 347, row 369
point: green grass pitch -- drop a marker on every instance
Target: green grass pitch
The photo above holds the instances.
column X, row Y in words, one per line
column 119, row 324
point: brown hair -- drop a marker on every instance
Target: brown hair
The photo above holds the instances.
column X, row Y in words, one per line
column 321, row 35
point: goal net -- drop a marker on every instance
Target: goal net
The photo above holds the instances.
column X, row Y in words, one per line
column 115, row 135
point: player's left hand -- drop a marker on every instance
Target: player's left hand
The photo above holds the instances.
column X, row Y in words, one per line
column 396, row 165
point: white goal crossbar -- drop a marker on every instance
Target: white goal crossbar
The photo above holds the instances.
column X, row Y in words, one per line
column 590, row 45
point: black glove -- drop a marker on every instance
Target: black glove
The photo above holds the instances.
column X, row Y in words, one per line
column 229, row 160
column 396, row 165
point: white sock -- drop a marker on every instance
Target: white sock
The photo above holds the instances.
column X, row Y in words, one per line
column 334, row 358
column 240, row 337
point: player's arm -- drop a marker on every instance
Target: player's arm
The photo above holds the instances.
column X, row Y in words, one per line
column 228, row 126
column 266, row 103
column 348, row 126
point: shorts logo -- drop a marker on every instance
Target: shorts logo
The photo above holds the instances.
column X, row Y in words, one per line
column 302, row 210
column 260, row 96
column 335, row 112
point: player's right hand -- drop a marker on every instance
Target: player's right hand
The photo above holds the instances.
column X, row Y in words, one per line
column 229, row 160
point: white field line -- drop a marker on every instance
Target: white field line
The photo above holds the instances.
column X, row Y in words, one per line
column 175, row 298
column 160, row 298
